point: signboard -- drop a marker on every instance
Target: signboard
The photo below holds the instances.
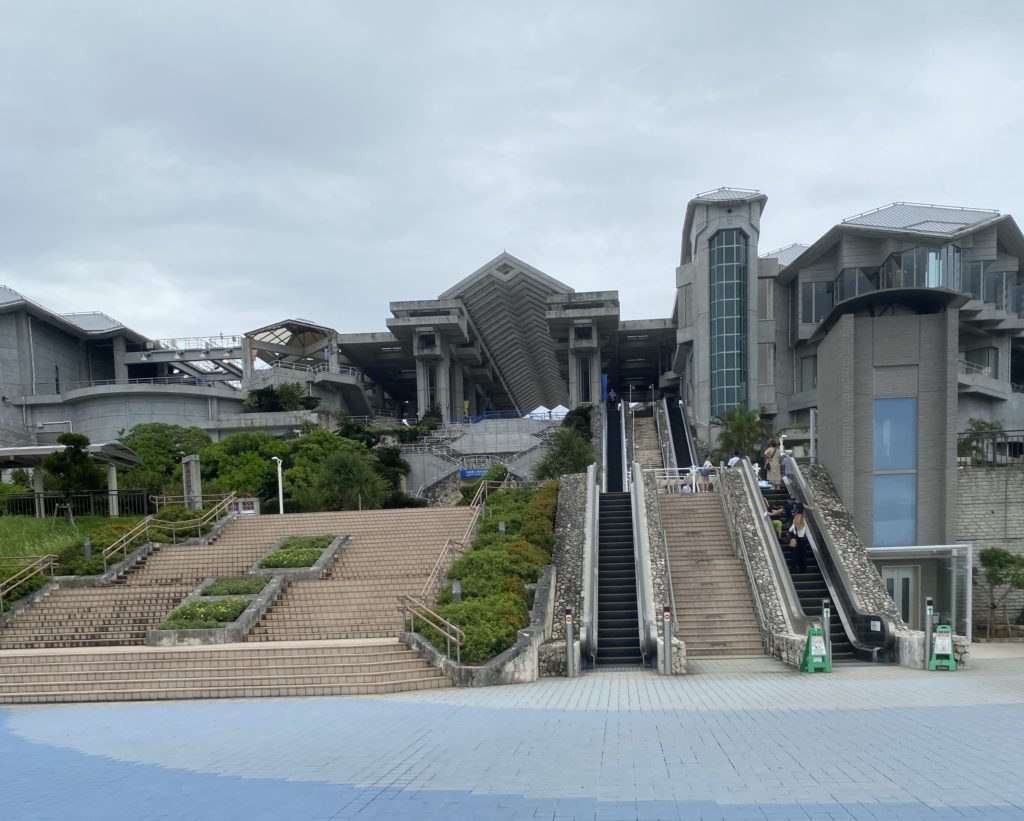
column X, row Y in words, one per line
column 818, row 647
column 472, row 473
column 816, row 658
column 942, row 649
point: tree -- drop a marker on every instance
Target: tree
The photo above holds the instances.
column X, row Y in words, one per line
column 346, row 480
column 391, row 467
column 242, row 462
column 979, row 440
column 161, row 447
column 579, row 420
column 567, row 452
column 291, row 395
column 740, row 429
column 307, row 454
column 72, row 470
column 1003, row 569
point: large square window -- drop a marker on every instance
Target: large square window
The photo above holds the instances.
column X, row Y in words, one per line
column 895, row 434
column 895, row 509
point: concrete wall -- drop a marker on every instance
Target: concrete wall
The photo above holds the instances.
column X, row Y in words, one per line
column 55, row 349
column 863, row 358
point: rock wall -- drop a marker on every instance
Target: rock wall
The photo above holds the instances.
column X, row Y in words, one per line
column 867, row 586
column 778, row 639
column 567, row 555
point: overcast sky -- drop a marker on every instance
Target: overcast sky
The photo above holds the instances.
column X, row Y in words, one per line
column 194, row 168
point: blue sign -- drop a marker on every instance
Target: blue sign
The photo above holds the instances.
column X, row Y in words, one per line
column 472, row 473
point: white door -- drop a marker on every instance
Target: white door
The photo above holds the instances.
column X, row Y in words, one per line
column 902, row 584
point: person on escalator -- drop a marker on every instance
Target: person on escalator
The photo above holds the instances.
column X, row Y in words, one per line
column 798, row 544
column 613, row 397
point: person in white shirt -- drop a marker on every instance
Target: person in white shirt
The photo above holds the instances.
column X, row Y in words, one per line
column 735, row 459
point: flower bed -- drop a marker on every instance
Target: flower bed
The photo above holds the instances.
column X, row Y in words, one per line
column 298, row 551
column 244, row 586
column 205, row 615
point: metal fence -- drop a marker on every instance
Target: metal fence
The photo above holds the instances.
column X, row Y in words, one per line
column 87, row 503
column 997, row 447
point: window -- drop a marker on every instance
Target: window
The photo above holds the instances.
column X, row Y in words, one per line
column 584, row 331
column 766, row 363
column 765, row 299
column 815, row 301
column 852, row 282
column 728, row 320
column 987, row 359
column 808, row 373
column 895, row 467
column 427, row 342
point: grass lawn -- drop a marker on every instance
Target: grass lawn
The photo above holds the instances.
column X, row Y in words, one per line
column 27, row 536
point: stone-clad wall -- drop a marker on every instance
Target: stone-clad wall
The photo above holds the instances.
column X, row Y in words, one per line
column 778, row 639
column 867, row 586
column 990, row 513
column 567, row 555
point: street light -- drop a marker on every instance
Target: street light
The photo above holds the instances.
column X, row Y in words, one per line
column 280, row 490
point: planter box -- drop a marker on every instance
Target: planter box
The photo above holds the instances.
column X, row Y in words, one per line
column 316, row 571
column 234, row 632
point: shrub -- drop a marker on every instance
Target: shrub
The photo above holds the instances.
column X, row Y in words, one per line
column 246, row 585
column 205, row 615
column 490, row 623
column 178, row 513
column 298, row 551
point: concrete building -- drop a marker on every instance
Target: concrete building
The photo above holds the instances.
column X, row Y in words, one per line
column 897, row 326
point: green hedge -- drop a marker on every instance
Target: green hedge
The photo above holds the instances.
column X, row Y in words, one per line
column 493, row 575
column 244, row 586
column 205, row 615
column 298, row 551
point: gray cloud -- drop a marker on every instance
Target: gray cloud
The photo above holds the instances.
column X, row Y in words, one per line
column 198, row 167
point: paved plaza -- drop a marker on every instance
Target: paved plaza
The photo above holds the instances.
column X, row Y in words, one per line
column 736, row 739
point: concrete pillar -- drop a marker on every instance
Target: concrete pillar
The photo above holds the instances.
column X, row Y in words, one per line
column 248, row 369
column 120, row 367
column 574, row 379
column 458, row 391
column 333, row 359
column 444, row 394
column 422, row 387
column 112, row 490
column 192, row 483
column 37, row 488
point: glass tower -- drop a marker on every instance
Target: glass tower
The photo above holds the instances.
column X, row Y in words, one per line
column 728, row 320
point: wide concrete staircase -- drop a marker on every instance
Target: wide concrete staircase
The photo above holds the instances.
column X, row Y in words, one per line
column 222, row 671
column 713, row 605
column 84, row 644
column 646, row 449
column 389, row 554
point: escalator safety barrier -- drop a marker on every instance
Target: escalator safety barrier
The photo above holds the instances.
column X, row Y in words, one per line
column 942, row 649
column 816, row 657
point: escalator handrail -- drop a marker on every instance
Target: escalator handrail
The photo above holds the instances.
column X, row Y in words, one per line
column 648, row 629
column 669, row 458
column 604, row 449
column 840, row 587
column 591, row 530
column 622, row 439
column 799, row 622
column 690, row 444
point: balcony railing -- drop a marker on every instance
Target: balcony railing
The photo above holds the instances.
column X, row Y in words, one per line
column 181, row 379
column 87, row 503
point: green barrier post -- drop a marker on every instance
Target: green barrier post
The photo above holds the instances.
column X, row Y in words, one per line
column 942, row 649
column 816, row 658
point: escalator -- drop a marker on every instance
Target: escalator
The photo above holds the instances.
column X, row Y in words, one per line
column 811, row 588
column 613, row 450
column 618, row 619
column 680, row 440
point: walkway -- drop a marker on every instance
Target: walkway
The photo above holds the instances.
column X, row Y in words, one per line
column 738, row 739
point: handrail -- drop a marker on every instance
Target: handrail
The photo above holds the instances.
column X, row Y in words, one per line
column 591, row 523
column 647, row 628
column 143, row 527
column 691, row 445
column 739, row 540
column 668, row 457
column 855, row 619
column 412, row 607
column 168, row 501
column 604, row 449
column 41, row 565
column 798, row 621
column 622, row 434
column 433, row 582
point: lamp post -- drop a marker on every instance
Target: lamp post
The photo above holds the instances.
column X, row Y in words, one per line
column 280, row 489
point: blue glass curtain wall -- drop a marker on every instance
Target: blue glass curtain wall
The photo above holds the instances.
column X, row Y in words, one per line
column 895, row 468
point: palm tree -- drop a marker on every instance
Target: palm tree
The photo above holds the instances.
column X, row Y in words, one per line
column 741, row 430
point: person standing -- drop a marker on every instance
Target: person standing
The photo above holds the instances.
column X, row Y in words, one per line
column 773, row 463
column 798, row 544
column 613, row 397
column 735, row 459
column 705, row 473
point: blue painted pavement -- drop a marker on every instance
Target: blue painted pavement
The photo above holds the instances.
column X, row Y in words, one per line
column 731, row 743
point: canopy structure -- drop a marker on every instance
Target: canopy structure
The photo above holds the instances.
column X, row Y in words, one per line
column 110, row 454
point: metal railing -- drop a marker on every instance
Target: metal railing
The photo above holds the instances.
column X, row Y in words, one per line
column 664, row 541
column 224, row 508
column 648, row 622
column 855, row 619
column 322, row 367
column 41, row 565
column 591, row 523
column 991, row 447
column 200, row 343
column 412, row 607
column 86, row 503
column 668, row 445
column 183, row 379
column 204, row 500
column 452, row 547
column 973, row 369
